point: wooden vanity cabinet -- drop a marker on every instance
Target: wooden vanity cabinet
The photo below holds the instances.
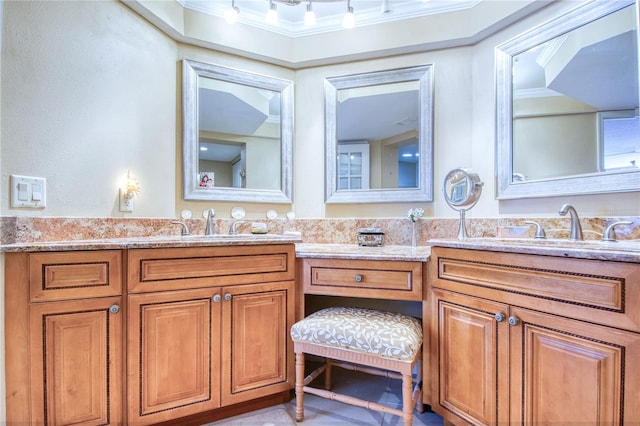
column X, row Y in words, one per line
column 395, row 280
column 220, row 340
column 64, row 343
column 526, row 339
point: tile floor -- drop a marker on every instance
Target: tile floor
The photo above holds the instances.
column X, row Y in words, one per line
column 324, row 412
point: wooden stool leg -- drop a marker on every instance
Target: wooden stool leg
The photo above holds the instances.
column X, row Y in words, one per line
column 327, row 374
column 419, row 403
column 407, row 399
column 299, row 386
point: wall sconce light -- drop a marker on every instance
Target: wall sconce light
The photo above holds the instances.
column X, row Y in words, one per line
column 129, row 189
column 309, row 16
column 272, row 13
column 349, row 21
column 231, row 15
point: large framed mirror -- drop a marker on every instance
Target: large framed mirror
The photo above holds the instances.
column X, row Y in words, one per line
column 379, row 136
column 567, row 105
column 237, row 135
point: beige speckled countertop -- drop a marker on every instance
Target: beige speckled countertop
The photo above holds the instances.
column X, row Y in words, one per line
column 354, row 251
column 153, row 242
column 620, row 251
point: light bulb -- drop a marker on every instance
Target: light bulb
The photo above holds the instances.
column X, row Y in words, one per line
column 231, row 15
column 272, row 14
column 349, row 20
column 309, row 16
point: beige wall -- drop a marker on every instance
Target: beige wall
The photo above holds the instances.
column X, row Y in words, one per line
column 95, row 91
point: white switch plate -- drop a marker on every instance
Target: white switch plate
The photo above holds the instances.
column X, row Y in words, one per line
column 29, row 192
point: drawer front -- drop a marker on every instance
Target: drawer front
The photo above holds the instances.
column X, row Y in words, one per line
column 592, row 290
column 178, row 268
column 75, row 275
column 363, row 278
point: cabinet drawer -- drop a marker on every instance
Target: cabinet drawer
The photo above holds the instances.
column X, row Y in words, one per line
column 74, row 275
column 363, row 278
column 592, row 290
column 181, row 268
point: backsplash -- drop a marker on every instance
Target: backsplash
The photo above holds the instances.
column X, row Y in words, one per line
column 397, row 231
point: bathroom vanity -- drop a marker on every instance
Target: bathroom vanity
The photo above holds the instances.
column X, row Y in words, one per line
column 521, row 335
column 148, row 331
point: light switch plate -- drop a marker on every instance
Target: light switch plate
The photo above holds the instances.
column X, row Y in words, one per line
column 28, row 192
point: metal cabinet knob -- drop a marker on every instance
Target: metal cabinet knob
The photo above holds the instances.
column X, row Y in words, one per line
column 513, row 320
column 358, row 278
column 114, row 309
column 227, row 297
column 217, row 298
column 499, row 317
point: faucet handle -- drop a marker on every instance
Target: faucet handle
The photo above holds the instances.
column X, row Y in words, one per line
column 540, row 234
column 609, row 233
column 185, row 227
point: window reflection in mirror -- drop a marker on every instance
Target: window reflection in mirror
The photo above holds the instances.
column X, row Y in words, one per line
column 567, row 105
column 238, row 135
column 378, row 129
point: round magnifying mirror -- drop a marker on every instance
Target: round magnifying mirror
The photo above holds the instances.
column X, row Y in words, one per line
column 462, row 189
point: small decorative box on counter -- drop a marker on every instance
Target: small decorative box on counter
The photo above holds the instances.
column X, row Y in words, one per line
column 371, row 237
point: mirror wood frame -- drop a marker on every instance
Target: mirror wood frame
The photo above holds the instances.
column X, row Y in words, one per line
column 594, row 183
column 424, row 192
column 191, row 71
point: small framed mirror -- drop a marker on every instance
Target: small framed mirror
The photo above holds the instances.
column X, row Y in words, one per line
column 567, row 114
column 379, row 136
column 237, row 135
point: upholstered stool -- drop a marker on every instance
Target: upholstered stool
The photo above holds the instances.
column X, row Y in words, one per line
column 371, row 341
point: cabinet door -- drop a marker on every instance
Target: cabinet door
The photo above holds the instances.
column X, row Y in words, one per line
column 76, row 362
column 257, row 353
column 173, row 354
column 566, row 371
column 470, row 366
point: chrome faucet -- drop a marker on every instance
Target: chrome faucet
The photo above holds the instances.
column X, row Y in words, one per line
column 576, row 229
column 609, row 233
column 209, row 228
column 185, row 227
column 234, row 228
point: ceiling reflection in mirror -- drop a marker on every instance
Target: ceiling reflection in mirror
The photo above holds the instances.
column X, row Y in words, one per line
column 378, row 136
column 567, row 105
column 378, row 130
column 239, row 131
column 237, row 135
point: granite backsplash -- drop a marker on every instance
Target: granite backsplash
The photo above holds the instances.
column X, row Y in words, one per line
column 397, row 231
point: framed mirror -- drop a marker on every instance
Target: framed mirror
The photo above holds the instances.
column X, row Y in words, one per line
column 379, row 136
column 567, row 105
column 237, row 135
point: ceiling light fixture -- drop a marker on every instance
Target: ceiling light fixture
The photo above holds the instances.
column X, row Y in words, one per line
column 309, row 16
column 231, row 15
column 272, row 13
column 349, row 21
column 385, row 8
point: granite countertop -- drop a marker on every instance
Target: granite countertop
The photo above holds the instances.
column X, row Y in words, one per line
column 620, row 251
column 353, row 251
column 166, row 241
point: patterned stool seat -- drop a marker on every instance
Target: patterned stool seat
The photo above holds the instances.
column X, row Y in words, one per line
column 371, row 341
column 386, row 334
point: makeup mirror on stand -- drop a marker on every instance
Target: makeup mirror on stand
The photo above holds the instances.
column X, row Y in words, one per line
column 462, row 189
